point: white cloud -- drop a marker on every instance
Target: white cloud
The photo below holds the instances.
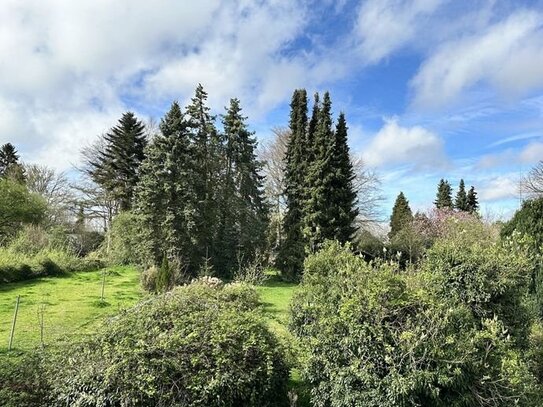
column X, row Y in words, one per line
column 507, row 55
column 499, row 187
column 415, row 146
column 384, row 26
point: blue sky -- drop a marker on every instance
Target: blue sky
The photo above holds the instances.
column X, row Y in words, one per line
column 431, row 88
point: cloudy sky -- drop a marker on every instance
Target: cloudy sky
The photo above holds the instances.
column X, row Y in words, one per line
column 431, row 88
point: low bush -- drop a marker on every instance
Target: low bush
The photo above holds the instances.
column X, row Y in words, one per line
column 373, row 335
column 194, row 346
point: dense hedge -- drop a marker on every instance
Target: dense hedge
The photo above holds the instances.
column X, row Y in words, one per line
column 199, row 345
column 376, row 336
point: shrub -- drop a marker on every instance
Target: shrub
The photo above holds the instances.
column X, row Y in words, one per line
column 374, row 336
column 123, row 242
column 193, row 346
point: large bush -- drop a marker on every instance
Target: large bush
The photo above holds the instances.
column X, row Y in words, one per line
column 195, row 346
column 374, row 336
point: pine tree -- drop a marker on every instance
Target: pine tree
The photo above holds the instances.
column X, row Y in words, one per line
column 164, row 192
column 444, row 195
column 461, row 201
column 243, row 214
column 205, row 150
column 472, row 201
column 9, row 164
column 292, row 252
column 401, row 215
column 343, row 193
column 116, row 168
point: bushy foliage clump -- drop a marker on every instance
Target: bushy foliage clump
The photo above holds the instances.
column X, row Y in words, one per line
column 194, row 346
column 376, row 336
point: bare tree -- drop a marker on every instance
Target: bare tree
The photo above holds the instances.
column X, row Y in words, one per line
column 368, row 186
column 54, row 188
column 272, row 154
column 533, row 182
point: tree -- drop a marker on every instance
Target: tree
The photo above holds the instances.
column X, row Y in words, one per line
column 116, row 165
column 461, row 202
column 243, row 215
column 165, row 196
column 533, row 183
column 444, row 198
column 473, row 202
column 344, row 195
column 401, row 215
column 292, row 252
column 9, row 164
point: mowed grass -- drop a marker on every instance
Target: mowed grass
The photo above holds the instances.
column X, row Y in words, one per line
column 71, row 305
column 275, row 296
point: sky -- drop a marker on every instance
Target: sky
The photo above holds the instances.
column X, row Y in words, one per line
column 431, row 88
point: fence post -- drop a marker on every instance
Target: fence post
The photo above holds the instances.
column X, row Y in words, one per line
column 14, row 321
column 103, row 285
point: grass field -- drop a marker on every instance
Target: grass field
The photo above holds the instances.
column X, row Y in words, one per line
column 71, row 304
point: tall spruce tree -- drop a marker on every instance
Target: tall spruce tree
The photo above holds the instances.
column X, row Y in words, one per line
column 206, row 146
column 444, row 195
column 10, row 167
column 461, row 201
column 343, row 194
column 164, row 194
column 292, row 251
column 243, row 215
column 473, row 201
column 401, row 215
column 116, row 166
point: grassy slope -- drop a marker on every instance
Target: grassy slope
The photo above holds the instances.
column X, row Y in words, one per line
column 72, row 304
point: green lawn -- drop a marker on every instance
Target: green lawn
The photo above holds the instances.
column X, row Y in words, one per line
column 71, row 304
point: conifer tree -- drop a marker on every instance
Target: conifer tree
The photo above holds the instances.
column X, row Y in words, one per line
column 472, row 201
column 343, row 205
column 165, row 197
column 292, row 252
column 401, row 215
column 9, row 164
column 444, row 195
column 243, row 213
column 207, row 159
column 461, row 201
column 116, row 167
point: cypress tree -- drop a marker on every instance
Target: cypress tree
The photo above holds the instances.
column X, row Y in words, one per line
column 444, row 195
column 207, row 161
column 401, row 215
column 165, row 196
column 116, row 168
column 243, row 214
column 343, row 193
column 291, row 254
column 472, row 201
column 461, row 201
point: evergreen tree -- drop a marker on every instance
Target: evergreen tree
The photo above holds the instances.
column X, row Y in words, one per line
column 472, row 201
column 444, row 195
column 401, row 215
column 242, row 218
column 116, row 167
column 461, row 201
column 10, row 167
column 292, row 252
column 165, row 197
column 205, row 150
column 343, row 205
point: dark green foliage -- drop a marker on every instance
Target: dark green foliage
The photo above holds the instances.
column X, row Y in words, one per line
column 116, row 166
column 10, row 167
column 195, row 346
column 124, row 242
column 444, row 195
column 242, row 217
column 292, row 251
column 374, row 336
column 401, row 215
column 461, row 201
column 473, row 202
column 22, row 382
column 18, row 207
column 165, row 198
